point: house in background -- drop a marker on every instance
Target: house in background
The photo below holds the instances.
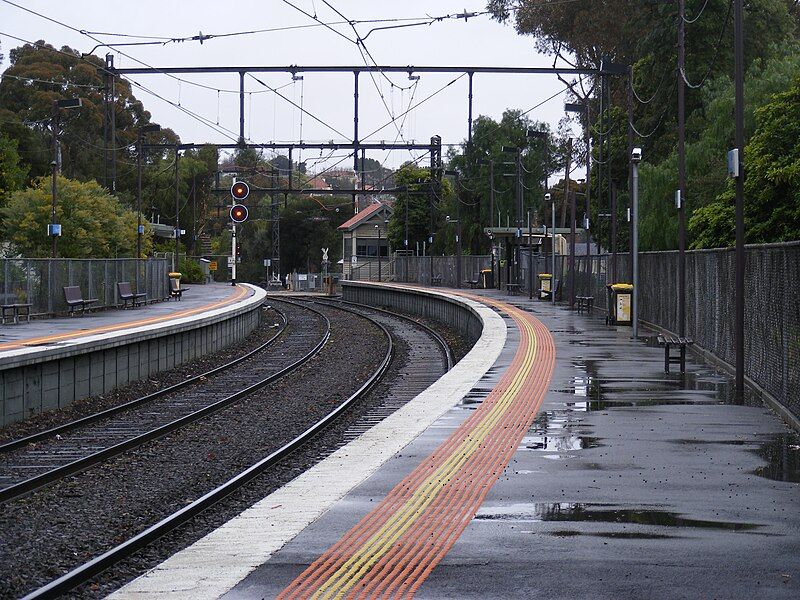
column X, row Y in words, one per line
column 364, row 240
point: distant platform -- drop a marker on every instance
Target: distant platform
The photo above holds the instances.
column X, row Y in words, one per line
column 49, row 363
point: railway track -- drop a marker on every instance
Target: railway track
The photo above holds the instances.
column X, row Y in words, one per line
column 414, row 376
column 32, row 462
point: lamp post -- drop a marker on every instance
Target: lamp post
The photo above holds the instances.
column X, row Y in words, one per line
column 54, row 229
column 139, row 227
column 636, row 157
column 457, row 221
column 550, row 197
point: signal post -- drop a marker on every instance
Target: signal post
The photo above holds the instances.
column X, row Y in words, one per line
column 239, row 191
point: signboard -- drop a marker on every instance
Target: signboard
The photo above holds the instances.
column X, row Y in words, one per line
column 267, row 262
column 212, row 266
column 230, row 261
column 302, row 277
column 623, row 307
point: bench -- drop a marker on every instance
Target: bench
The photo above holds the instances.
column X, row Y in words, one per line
column 126, row 295
column 669, row 342
column 17, row 310
column 585, row 303
column 473, row 283
column 175, row 289
column 436, row 280
column 74, row 298
column 512, row 289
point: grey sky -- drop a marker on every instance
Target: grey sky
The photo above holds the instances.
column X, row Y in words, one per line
column 478, row 42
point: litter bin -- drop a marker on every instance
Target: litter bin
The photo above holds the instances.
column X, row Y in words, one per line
column 327, row 281
column 487, row 279
column 620, row 296
column 545, row 285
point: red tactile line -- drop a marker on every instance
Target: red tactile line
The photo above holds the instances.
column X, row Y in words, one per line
column 456, row 504
column 406, row 566
column 340, row 552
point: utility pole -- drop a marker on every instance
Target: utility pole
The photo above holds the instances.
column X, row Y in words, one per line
column 553, row 274
column 54, row 164
column 629, row 95
column 139, row 226
column 739, row 141
column 457, row 175
column 175, row 262
column 571, row 199
column 530, row 258
column 681, row 194
column 635, row 158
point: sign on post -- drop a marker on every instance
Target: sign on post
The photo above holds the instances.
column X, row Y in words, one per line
column 212, row 266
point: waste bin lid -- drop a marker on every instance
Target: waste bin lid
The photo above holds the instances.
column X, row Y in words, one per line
column 621, row 287
column 545, row 276
column 486, row 270
column 174, row 275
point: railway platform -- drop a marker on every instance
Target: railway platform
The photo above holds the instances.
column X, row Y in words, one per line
column 556, row 460
column 48, row 363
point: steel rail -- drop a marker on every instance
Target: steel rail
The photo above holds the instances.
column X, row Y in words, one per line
column 34, row 483
column 89, row 419
column 97, row 565
column 429, row 330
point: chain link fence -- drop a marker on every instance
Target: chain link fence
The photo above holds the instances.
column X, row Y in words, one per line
column 772, row 299
column 40, row 282
column 423, row 269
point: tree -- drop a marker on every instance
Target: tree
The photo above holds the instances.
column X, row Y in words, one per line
column 772, row 183
column 12, row 174
column 94, row 223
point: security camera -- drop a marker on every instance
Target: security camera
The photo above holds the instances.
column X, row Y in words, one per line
column 447, row 218
column 636, row 155
column 547, row 197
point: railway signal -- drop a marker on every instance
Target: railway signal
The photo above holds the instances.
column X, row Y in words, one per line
column 240, row 190
column 239, row 213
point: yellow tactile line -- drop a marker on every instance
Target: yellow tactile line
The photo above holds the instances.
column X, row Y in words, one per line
column 240, row 293
column 340, row 582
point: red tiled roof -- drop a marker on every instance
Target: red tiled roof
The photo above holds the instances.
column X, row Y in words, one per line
column 361, row 215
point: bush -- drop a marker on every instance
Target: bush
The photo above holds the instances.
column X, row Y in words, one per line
column 191, row 272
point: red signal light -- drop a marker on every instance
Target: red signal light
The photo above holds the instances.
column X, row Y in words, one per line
column 240, row 190
column 238, row 213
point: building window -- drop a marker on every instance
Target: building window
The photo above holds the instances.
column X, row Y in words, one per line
column 369, row 248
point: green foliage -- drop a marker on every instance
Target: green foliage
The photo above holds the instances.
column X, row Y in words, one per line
column 772, row 182
column 12, row 174
column 94, row 223
column 705, row 157
column 191, row 272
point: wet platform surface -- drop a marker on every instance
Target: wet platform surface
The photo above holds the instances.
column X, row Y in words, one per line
column 49, row 333
column 630, row 483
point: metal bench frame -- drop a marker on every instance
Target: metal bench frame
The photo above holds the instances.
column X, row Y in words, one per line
column 16, row 311
column 436, row 280
column 585, row 303
column 681, row 343
column 126, row 294
column 74, row 298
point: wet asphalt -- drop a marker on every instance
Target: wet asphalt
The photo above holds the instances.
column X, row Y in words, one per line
column 631, row 483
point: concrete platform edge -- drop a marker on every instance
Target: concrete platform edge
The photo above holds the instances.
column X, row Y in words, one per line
column 217, row 562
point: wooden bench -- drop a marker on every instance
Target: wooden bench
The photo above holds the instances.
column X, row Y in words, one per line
column 436, row 280
column 17, row 310
column 512, row 289
column 126, row 295
column 74, row 298
column 175, row 289
column 585, row 303
column 669, row 342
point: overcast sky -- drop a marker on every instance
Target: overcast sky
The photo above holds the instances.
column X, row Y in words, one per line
column 476, row 42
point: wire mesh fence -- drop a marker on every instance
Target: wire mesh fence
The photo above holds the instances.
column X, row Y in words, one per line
column 442, row 270
column 772, row 299
column 41, row 282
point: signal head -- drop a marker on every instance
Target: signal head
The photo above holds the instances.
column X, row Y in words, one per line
column 240, row 190
column 238, row 213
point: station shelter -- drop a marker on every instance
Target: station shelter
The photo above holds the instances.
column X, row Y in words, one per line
column 511, row 247
column 364, row 242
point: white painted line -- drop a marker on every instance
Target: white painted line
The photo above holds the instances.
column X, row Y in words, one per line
column 216, row 563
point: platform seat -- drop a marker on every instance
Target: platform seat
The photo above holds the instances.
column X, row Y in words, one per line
column 669, row 342
column 75, row 299
column 127, row 295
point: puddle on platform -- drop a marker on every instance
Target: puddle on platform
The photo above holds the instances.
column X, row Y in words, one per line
column 623, row 535
column 540, row 512
column 558, row 443
column 782, row 454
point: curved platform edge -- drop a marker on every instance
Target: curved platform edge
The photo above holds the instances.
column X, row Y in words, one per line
column 217, row 562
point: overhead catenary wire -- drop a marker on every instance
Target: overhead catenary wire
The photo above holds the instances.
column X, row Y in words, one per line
column 714, row 56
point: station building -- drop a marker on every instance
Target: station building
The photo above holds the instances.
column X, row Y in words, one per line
column 364, row 242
